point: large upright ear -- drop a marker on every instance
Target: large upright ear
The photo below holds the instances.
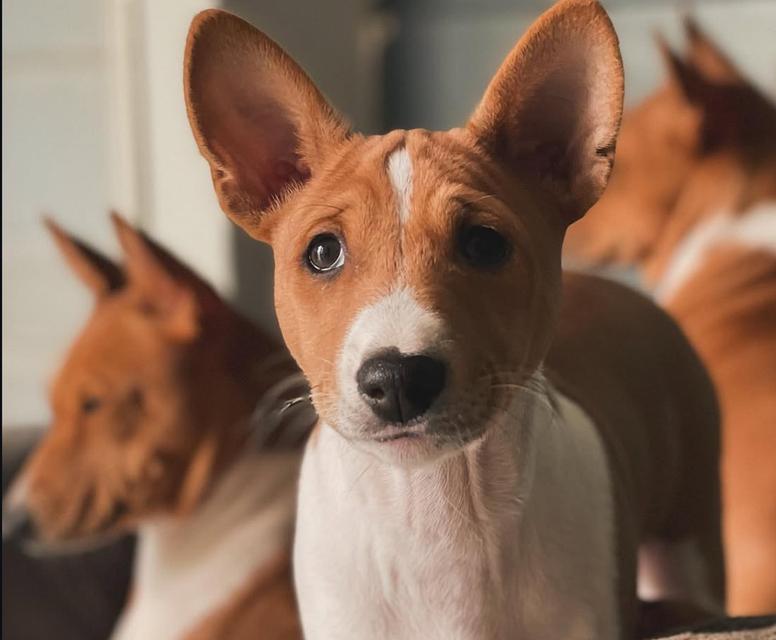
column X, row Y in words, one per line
column 553, row 109
column 258, row 119
column 706, row 56
column 682, row 75
column 170, row 291
column 92, row 268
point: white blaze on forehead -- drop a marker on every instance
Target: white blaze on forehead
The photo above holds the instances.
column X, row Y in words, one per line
column 400, row 174
column 395, row 321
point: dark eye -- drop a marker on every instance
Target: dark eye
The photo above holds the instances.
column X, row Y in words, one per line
column 325, row 253
column 482, row 246
column 90, row 404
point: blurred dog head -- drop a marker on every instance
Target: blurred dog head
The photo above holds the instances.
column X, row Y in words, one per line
column 149, row 401
column 703, row 143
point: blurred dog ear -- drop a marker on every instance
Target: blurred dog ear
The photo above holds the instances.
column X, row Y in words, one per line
column 100, row 274
column 682, row 75
column 553, row 109
column 706, row 56
column 258, row 120
column 168, row 288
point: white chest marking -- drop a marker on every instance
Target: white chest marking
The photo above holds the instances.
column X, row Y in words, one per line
column 490, row 543
column 755, row 229
column 400, row 174
column 187, row 569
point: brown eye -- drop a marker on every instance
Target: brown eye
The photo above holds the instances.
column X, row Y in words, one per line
column 482, row 247
column 90, row 404
column 325, row 253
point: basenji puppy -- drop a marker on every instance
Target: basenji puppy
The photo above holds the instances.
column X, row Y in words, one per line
column 166, row 422
column 692, row 204
column 491, row 453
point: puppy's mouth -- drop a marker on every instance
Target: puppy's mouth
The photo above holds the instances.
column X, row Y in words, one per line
column 402, row 435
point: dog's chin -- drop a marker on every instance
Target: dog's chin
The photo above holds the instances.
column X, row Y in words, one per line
column 415, row 444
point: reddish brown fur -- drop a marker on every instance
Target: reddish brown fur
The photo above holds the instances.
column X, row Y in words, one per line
column 265, row 608
column 737, row 341
column 658, row 388
column 649, row 395
column 706, row 143
column 176, row 373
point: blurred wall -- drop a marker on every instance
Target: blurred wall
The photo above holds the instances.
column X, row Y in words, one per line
column 55, row 160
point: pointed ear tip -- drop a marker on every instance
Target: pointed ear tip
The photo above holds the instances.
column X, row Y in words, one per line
column 116, row 218
column 209, row 19
column 666, row 50
column 125, row 232
column 119, row 223
column 53, row 228
column 200, row 24
column 205, row 16
column 593, row 7
column 691, row 26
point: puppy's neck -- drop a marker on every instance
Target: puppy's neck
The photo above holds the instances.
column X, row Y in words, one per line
column 452, row 544
column 195, row 564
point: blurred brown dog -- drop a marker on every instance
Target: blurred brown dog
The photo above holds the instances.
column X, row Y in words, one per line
column 692, row 203
column 157, row 427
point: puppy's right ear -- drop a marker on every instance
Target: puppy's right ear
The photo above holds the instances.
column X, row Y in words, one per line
column 257, row 118
column 92, row 268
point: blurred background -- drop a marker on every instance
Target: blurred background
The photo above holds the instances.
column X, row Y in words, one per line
column 93, row 119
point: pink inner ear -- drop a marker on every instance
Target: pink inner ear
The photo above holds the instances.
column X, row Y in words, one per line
column 258, row 141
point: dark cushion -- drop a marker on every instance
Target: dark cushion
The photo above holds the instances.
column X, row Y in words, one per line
column 76, row 596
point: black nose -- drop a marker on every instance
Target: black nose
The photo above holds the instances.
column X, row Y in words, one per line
column 399, row 388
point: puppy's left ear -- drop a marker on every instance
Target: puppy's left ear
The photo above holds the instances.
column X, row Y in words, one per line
column 553, row 109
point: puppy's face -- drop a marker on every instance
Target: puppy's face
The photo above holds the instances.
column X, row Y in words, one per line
column 415, row 286
column 417, row 273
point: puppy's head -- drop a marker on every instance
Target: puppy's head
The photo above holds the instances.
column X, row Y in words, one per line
column 704, row 142
column 417, row 273
column 135, row 400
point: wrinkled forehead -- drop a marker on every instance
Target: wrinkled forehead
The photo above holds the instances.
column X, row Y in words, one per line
column 402, row 186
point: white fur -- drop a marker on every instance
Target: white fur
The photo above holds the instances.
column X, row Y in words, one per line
column 394, row 321
column 511, row 537
column 187, row 568
column 756, row 229
column 674, row 571
column 400, row 174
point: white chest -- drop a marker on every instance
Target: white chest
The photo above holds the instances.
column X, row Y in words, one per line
column 491, row 544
